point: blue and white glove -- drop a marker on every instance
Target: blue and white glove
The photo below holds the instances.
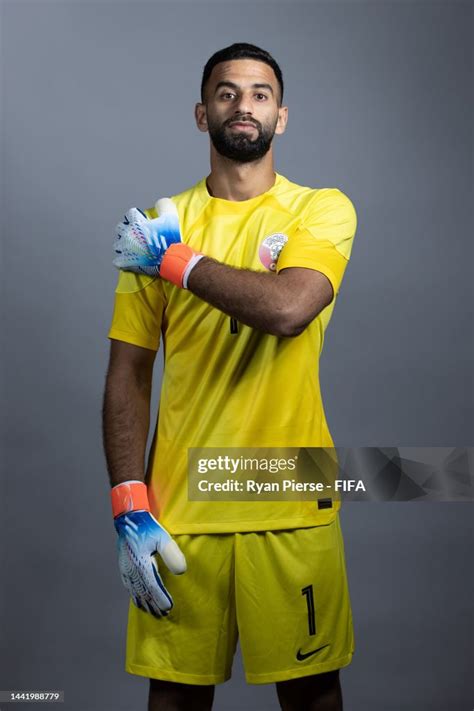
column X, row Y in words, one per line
column 154, row 247
column 140, row 537
column 140, row 243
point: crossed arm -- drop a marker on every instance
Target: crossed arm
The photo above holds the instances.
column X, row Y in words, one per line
column 279, row 304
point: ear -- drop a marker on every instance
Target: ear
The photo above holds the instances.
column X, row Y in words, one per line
column 200, row 116
column 282, row 119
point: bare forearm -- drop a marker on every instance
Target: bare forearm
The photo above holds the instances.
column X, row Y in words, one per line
column 126, row 421
column 271, row 303
column 254, row 298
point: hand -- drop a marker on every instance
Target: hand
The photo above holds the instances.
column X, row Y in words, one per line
column 140, row 243
column 140, row 537
column 154, row 247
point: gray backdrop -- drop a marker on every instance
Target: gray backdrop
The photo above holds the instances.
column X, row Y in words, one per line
column 97, row 115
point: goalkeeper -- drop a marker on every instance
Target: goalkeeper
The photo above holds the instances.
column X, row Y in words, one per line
column 237, row 276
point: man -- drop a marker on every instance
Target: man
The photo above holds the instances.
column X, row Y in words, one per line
column 242, row 328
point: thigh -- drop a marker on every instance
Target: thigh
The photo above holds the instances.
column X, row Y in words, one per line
column 293, row 607
column 195, row 643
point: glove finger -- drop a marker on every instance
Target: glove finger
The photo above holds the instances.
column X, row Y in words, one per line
column 154, row 610
column 165, row 205
column 146, row 607
column 173, row 557
column 147, row 602
column 134, row 215
column 121, row 229
column 158, row 609
column 137, row 603
column 118, row 251
column 155, row 591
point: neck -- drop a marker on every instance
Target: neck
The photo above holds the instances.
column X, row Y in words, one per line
column 240, row 181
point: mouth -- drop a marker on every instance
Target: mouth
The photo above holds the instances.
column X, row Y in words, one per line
column 242, row 125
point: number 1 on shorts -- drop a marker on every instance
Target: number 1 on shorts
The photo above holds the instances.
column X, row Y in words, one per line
column 308, row 593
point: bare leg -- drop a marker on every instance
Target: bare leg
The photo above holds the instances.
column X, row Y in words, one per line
column 170, row 696
column 319, row 692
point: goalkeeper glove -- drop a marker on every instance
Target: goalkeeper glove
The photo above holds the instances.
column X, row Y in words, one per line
column 154, row 246
column 140, row 536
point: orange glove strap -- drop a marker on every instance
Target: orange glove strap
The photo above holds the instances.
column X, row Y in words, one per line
column 175, row 261
column 129, row 496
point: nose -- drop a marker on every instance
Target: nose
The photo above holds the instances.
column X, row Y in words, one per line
column 243, row 105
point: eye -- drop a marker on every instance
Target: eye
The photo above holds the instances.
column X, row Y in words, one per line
column 261, row 96
column 226, row 94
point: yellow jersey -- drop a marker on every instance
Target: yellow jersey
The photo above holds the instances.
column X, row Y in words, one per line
column 226, row 384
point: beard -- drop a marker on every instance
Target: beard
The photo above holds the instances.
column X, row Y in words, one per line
column 240, row 147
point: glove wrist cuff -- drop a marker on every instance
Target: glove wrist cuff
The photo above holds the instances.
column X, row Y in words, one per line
column 190, row 266
column 174, row 266
column 129, row 496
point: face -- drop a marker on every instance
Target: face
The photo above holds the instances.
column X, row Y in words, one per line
column 240, row 109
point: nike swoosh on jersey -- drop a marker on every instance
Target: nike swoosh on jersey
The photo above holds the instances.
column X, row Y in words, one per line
column 300, row 656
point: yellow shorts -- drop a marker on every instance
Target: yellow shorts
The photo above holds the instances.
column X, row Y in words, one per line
column 283, row 593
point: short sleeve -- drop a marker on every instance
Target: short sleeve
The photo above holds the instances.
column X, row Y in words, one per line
column 323, row 239
column 138, row 310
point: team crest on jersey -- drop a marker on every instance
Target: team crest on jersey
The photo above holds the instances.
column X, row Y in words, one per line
column 270, row 249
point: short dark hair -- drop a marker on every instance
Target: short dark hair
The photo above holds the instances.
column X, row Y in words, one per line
column 241, row 50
